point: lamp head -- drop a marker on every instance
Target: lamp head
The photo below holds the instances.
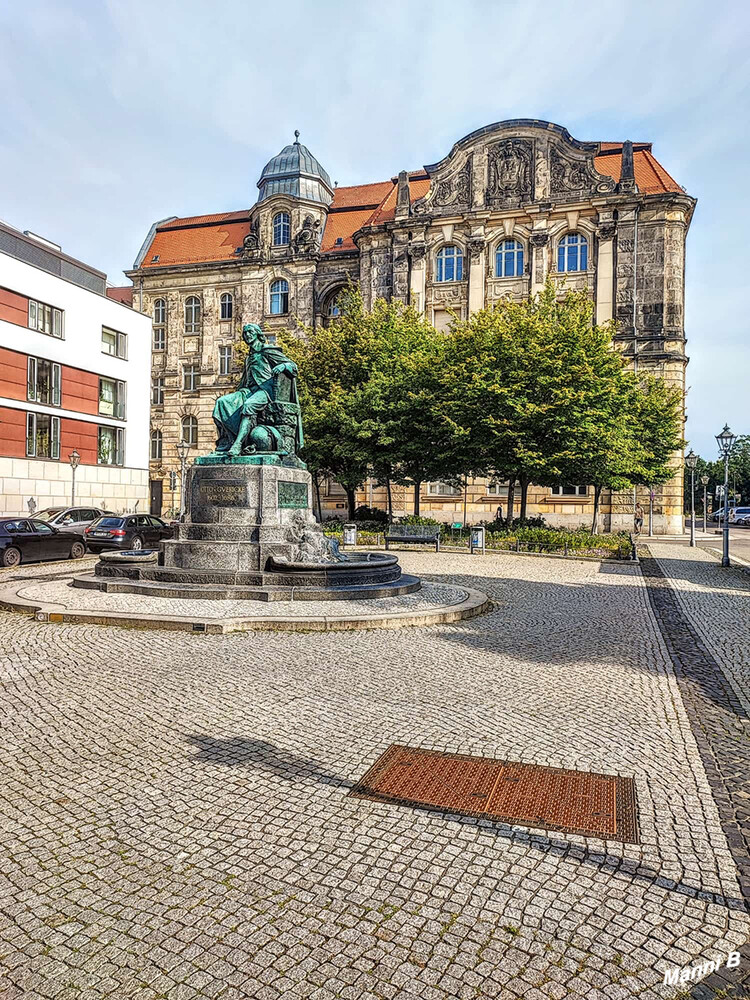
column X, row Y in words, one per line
column 725, row 441
column 75, row 459
column 691, row 460
column 704, row 480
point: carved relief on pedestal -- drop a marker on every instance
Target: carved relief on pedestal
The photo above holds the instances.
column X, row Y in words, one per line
column 509, row 180
column 575, row 177
column 541, row 173
column 450, row 296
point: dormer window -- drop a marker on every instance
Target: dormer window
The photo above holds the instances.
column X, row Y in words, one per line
column 449, row 264
column 282, row 227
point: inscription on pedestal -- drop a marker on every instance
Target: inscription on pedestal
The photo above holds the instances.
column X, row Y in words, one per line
column 292, row 494
column 223, row 493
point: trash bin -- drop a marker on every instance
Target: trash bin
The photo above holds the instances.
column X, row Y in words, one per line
column 476, row 541
column 350, row 534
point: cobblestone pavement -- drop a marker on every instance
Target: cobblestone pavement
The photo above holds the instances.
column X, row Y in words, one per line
column 174, row 820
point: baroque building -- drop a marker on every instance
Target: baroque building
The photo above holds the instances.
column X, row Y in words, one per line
column 509, row 205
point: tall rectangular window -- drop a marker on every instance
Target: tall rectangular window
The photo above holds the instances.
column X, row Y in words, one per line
column 114, row 343
column 157, row 391
column 569, row 491
column 225, row 360
column 111, row 446
column 45, row 318
column 191, row 378
column 44, row 382
column 42, row 435
column 160, row 338
column 112, row 398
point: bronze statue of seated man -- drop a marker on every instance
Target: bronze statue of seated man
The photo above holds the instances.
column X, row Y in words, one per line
column 245, row 419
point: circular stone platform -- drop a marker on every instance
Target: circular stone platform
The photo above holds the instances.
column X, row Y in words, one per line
column 59, row 601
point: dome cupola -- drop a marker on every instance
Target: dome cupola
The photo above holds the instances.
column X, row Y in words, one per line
column 295, row 171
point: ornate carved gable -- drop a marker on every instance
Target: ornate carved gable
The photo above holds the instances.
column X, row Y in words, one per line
column 512, row 163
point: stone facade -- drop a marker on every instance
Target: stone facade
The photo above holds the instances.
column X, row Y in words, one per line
column 522, row 180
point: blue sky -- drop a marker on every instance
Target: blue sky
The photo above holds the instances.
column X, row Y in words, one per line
column 116, row 114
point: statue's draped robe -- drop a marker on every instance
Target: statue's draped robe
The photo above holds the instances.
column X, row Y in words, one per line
column 256, row 391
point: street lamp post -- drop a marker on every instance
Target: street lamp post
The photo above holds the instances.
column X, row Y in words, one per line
column 75, row 460
column 704, row 483
column 725, row 441
column 183, row 447
column 691, row 460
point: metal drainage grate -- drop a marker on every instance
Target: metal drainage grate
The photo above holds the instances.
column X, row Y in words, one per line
column 551, row 798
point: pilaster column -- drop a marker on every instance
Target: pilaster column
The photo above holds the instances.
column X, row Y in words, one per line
column 417, row 283
column 605, row 263
column 476, row 274
column 540, row 262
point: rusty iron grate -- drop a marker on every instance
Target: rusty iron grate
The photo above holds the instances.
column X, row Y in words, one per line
column 550, row 798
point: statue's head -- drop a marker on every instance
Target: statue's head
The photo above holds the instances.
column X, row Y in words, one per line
column 252, row 334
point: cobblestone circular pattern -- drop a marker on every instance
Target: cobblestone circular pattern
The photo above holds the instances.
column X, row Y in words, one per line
column 434, row 603
column 175, row 820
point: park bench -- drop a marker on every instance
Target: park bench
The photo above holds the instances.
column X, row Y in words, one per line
column 420, row 534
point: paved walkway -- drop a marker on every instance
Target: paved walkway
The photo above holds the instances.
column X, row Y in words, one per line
column 175, row 821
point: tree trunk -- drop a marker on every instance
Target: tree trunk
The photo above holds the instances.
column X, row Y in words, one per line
column 524, row 482
column 511, row 501
column 316, row 481
column 417, row 485
column 389, row 494
column 595, row 520
column 351, row 500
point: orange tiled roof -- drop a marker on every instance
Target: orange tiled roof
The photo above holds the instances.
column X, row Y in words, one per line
column 204, row 238
column 121, row 293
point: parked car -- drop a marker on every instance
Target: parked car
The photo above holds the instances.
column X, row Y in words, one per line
column 71, row 519
column 27, row 539
column 126, row 531
column 717, row 515
column 740, row 515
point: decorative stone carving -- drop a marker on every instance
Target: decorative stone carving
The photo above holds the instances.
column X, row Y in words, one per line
column 607, row 231
column 476, row 248
column 306, row 239
column 539, row 239
column 252, row 240
column 455, row 191
column 510, row 172
column 571, row 176
column 541, row 174
column 417, row 252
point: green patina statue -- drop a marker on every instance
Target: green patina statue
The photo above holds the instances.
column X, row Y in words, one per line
column 262, row 416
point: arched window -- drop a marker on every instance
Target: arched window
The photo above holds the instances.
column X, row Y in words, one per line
column 192, row 314
column 281, row 229
column 160, row 312
column 573, row 253
column 509, row 259
column 227, row 305
column 190, row 430
column 156, row 442
column 450, row 264
column 332, row 309
column 279, row 297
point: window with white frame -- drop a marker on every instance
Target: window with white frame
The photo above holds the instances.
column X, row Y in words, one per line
column 509, row 259
column 190, row 430
column 44, row 382
column 226, row 305
column 112, row 398
column 42, row 435
column 191, row 378
column 279, row 297
column 496, row 489
column 225, row 360
column 157, row 390
column 111, row 446
column 160, row 325
column 282, row 227
column 192, row 314
column 45, row 318
column 114, row 343
column 569, row 491
column 156, row 445
column 572, row 253
column 449, row 264
column 444, row 489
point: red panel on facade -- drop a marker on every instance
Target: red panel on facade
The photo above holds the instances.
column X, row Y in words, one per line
column 14, row 308
column 81, row 436
column 13, row 374
column 80, row 390
column 12, row 433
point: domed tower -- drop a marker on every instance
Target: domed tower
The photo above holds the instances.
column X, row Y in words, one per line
column 295, row 172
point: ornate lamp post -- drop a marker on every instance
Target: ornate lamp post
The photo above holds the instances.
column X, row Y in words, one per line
column 725, row 441
column 704, row 483
column 691, row 460
column 75, row 460
column 183, row 447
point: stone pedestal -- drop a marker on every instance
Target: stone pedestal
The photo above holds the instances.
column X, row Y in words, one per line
column 240, row 515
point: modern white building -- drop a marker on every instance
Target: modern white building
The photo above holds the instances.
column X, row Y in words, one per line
column 74, row 378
